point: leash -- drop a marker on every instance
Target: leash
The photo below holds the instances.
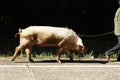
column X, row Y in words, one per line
column 63, row 39
column 97, row 34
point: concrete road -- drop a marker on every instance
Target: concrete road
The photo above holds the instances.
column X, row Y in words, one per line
column 50, row 70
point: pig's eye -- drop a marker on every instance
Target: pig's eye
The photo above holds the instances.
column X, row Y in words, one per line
column 82, row 48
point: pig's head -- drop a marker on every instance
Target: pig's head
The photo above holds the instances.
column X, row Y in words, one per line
column 80, row 48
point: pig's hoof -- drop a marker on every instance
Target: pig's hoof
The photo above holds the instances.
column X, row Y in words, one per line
column 12, row 60
column 59, row 62
column 71, row 59
column 31, row 60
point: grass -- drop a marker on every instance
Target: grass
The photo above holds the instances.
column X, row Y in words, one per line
column 50, row 55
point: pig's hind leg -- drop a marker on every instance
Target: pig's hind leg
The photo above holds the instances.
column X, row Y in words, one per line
column 23, row 44
column 28, row 53
column 17, row 50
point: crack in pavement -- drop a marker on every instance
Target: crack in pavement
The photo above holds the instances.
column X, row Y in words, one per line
column 30, row 72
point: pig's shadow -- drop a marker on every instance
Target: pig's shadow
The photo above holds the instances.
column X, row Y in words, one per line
column 74, row 61
column 68, row 61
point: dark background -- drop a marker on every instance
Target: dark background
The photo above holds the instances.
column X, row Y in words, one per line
column 83, row 16
column 86, row 17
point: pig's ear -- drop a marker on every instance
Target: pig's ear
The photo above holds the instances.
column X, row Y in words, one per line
column 20, row 30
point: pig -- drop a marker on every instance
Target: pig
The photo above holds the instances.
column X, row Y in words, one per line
column 63, row 38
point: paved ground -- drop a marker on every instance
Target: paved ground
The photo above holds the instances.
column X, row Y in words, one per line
column 50, row 70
